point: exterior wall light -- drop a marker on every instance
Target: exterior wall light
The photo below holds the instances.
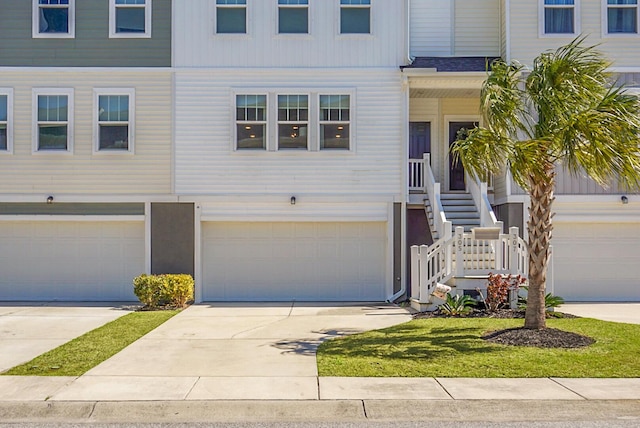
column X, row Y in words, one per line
column 50, row 200
column 624, row 200
column 293, row 200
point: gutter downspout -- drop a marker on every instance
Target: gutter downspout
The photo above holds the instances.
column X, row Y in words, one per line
column 403, row 211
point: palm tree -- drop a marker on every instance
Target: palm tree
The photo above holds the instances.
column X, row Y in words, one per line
column 564, row 111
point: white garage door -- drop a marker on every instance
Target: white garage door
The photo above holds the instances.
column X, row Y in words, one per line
column 597, row 262
column 74, row 261
column 301, row 261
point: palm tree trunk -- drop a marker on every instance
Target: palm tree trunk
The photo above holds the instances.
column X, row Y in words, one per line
column 539, row 225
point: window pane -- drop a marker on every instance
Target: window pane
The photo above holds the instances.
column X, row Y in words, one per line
column 560, row 2
column 251, row 136
column 52, row 137
column 334, row 136
column 3, row 136
column 130, row 1
column 114, row 137
column 3, row 108
column 622, row 1
column 54, row 20
column 52, row 108
column 622, row 20
column 355, row 20
column 130, row 20
column 293, row 20
column 356, row 2
column 231, row 20
column 231, row 1
column 558, row 20
column 292, row 136
column 113, row 108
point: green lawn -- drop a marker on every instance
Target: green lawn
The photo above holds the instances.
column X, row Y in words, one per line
column 452, row 347
column 76, row 357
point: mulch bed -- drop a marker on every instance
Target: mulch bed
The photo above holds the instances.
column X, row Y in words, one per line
column 544, row 338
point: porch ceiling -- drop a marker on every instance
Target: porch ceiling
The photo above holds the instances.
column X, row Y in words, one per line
column 445, row 93
column 446, row 85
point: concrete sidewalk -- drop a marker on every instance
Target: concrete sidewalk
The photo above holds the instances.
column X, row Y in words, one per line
column 266, row 353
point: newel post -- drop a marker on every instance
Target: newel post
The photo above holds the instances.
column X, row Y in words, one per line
column 458, row 242
column 513, row 250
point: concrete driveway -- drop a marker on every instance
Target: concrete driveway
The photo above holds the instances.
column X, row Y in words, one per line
column 231, row 351
column 30, row 329
column 617, row 312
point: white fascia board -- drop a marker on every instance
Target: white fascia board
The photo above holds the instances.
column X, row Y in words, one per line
column 261, row 198
column 80, row 198
column 73, row 218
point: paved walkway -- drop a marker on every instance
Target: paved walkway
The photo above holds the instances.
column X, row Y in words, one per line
column 258, row 352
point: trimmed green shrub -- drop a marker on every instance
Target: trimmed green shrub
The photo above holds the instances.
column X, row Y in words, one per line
column 171, row 289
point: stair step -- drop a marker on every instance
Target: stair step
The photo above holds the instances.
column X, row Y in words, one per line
column 461, row 196
column 462, row 215
column 460, row 208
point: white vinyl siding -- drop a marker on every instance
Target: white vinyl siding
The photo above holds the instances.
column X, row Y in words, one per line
column 477, row 28
column 149, row 171
column 198, row 45
column 205, row 120
column 526, row 45
column 70, row 261
column 6, row 120
column 294, row 261
column 54, row 19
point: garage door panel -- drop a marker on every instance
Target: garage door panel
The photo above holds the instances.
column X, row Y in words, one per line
column 597, row 262
column 70, row 261
column 284, row 261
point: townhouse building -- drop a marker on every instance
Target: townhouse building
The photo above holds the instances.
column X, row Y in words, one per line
column 85, row 144
column 277, row 149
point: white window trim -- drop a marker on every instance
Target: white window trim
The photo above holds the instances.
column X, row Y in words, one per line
column 9, row 93
column 130, row 92
column 313, row 122
column 147, row 22
column 576, row 20
column 605, row 20
column 350, row 122
column 354, row 6
column 293, row 6
column 35, row 22
column 229, row 6
column 235, row 122
column 69, row 92
column 287, row 122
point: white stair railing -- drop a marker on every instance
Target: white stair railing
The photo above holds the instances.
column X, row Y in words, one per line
column 416, row 172
column 430, row 265
column 432, row 188
column 478, row 191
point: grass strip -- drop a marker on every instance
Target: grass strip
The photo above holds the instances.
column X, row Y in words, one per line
column 81, row 354
column 452, row 347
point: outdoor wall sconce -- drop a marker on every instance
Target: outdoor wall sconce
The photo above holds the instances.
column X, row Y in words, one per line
column 624, row 200
column 50, row 200
column 293, row 200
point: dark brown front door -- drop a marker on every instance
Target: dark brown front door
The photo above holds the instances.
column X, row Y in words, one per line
column 456, row 171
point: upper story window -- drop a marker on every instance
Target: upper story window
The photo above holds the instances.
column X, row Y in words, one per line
column 129, row 18
column 293, row 16
column 335, row 119
column 53, row 124
column 622, row 16
column 231, row 16
column 293, row 121
column 113, row 127
column 251, row 121
column 6, row 120
column 53, row 18
column 559, row 17
column 355, row 16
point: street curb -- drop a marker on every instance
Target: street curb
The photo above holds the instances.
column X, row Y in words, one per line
column 319, row 411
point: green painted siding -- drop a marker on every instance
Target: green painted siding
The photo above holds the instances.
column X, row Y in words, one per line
column 91, row 46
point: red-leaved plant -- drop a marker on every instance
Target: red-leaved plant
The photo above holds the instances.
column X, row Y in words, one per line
column 498, row 288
